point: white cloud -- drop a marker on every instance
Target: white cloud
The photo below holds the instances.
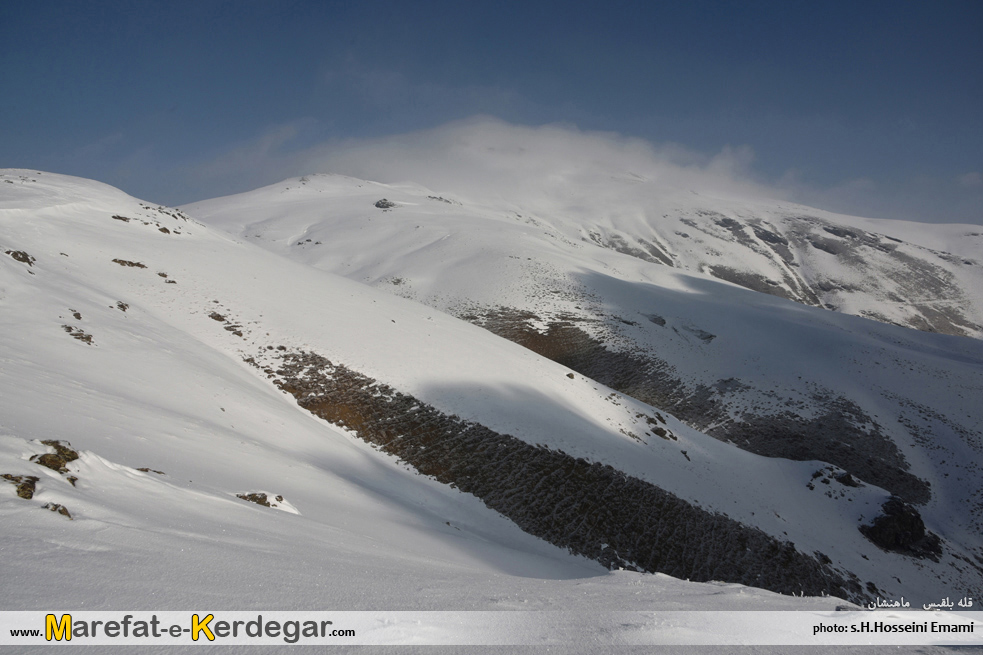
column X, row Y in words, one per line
column 484, row 156
column 487, row 158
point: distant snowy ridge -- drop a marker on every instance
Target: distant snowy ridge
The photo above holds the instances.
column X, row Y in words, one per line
column 916, row 275
column 675, row 207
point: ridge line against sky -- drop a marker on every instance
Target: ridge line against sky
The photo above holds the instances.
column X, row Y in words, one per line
column 866, row 108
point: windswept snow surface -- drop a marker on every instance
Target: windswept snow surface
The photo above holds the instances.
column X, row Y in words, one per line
column 123, row 332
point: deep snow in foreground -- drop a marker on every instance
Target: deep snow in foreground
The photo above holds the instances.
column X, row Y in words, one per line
column 123, row 332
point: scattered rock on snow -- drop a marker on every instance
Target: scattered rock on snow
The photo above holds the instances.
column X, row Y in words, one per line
column 26, row 484
column 61, row 509
column 57, row 461
column 260, row 498
column 21, row 256
column 124, row 262
column 78, row 333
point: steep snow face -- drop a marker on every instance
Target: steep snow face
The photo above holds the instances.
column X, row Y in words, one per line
column 894, row 407
column 151, row 344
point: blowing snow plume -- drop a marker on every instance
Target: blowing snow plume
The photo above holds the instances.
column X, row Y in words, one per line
column 488, row 159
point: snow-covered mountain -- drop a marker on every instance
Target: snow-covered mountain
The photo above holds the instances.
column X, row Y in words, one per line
column 746, row 368
column 415, row 460
column 772, row 376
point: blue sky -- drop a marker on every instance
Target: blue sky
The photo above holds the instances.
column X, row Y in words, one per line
column 867, row 107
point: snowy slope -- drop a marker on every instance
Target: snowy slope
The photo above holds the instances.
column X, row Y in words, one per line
column 148, row 340
column 892, row 406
